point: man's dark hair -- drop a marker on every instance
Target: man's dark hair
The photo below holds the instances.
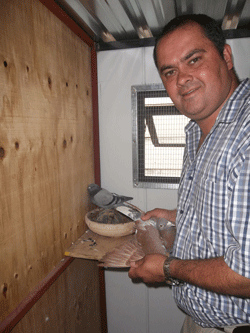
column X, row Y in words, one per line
column 211, row 29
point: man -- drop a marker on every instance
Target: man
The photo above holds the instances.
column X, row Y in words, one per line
column 210, row 264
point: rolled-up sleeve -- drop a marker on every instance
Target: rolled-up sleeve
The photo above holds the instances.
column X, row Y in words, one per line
column 237, row 255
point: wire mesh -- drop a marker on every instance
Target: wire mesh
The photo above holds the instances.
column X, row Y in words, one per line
column 160, row 139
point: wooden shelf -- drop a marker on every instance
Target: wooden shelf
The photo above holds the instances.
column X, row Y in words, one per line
column 93, row 246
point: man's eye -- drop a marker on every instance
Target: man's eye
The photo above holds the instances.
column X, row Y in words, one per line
column 169, row 73
column 194, row 60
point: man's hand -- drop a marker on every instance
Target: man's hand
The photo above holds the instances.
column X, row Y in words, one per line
column 149, row 268
column 169, row 215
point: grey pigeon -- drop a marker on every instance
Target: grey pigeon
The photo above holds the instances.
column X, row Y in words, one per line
column 105, row 199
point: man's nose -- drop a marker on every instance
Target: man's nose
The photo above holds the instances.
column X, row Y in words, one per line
column 183, row 77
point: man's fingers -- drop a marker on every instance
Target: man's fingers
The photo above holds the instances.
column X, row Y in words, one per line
column 133, row 268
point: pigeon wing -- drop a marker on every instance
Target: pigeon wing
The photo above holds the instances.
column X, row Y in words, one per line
column 119, row 199
column 122, row 255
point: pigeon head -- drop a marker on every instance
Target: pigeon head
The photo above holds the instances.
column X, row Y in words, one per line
column 93, row 189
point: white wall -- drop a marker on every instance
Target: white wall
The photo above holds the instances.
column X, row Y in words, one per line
column 131, row 307
column 135, row 307
column 241, row 48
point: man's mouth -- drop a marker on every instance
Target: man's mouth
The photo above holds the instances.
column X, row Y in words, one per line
column 189, row 92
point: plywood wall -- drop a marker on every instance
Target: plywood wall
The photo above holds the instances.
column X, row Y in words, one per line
column 70, row 305
column 46, row 144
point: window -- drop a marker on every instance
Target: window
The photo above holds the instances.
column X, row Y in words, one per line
column 158, row 138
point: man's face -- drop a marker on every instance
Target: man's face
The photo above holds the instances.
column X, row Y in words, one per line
column 194, row 74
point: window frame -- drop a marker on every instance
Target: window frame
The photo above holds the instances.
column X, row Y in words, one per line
column 140, row 180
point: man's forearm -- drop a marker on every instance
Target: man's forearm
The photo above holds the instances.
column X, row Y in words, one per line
column 211, row 274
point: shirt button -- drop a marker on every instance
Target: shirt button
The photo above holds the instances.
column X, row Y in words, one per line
column 181, row 211
column 190, row 178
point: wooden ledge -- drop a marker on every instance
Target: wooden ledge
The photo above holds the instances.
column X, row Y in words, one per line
column 93, row 246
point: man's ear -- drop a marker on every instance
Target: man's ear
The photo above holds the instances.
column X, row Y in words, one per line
column 228, row 57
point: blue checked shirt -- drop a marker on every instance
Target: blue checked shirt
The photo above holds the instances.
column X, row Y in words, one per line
column 213, row 215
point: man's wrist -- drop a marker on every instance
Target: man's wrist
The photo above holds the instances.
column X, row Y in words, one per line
column 166, row 268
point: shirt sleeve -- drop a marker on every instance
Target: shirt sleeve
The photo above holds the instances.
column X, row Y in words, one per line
column 237, row 255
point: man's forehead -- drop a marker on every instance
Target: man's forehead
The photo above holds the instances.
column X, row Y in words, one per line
column 183, row 37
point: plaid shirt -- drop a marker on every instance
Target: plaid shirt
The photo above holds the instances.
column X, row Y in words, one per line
column 213, row 215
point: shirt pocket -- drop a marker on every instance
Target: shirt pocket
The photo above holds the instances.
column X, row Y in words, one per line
column 211, row 210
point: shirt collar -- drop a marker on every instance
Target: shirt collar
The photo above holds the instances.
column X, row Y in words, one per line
column 232, row 106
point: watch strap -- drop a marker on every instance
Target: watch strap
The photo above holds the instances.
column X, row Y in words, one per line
column 166, row 268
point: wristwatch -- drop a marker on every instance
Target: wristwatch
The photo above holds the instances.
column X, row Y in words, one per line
column 169, row 280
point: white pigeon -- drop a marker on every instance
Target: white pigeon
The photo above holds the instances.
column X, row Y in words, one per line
column 105, row 199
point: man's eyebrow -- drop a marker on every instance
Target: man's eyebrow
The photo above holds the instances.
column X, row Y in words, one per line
column 186, row 57
column 190, row 54
column 163, row 68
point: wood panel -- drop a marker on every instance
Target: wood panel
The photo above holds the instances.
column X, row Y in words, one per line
column 70, row 305
column 46, row 144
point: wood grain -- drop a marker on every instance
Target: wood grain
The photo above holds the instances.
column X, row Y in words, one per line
column 93, row 246
column 69, row 305
column 46, row 144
